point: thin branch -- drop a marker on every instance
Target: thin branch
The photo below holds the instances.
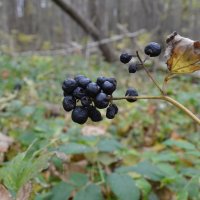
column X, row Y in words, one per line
column 148, row 73
column 165, row 98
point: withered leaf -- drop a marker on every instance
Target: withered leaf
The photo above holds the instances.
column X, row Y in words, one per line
column 182, row 54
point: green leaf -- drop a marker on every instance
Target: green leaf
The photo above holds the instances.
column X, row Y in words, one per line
column 61, row 191
column 74, row 148
column 167, row 169
column 182, row 195
column 181, row 144
column 123, row 186
column 144, row 186
column 21, row 169
column 78, row 179
column 144, row 168
column 190, row 172
column 91, row 192
column 165, row 156
column 109, row 145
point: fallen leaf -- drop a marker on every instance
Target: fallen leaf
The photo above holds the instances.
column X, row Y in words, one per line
column 93, row 131
column 25, row 192
column 182, row 54
column 5, row 143
column 4, row 194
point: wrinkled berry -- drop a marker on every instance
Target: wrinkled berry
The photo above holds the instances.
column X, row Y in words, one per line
column 86, row 101
column 92, row 89
column 69, row 103
column 79, row 93
column 111, row 111
column 101, row 101
column 115, row 107
column 94, row 114
column 132, row 93
column 125, row 58
column 153, row 49
column 69, row 85
column 80, row 114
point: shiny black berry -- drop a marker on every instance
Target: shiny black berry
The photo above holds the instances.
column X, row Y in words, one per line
column 101, row 101
column 112, row 80
column 93, row 89
column 133, row 67
column 125, row 58
column 69, row 85
column 111, row 111
column 83, row 82
column 79, row 92
column 69, row 103
column 94, row 114
column 77, row 77
column 153, row 49
column 80, row 114
column 115, row 107
column 86, row 101
column 108, row 87
column 132, row 93
column 101, row 80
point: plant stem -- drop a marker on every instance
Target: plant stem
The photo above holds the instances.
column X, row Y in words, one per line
column 148, row 73
column 165, row 98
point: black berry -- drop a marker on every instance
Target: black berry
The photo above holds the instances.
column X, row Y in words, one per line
column 83, row 82
column 80, row 114
column 94, row 114
column 101, row 101
column 132, row 93
column 69, row 85
column 92, row 89
column 111, row 111
column 153, row 49
column 101, row 80
column 108, row 87
column 112, row 80
column 79, row 92
column 77, row 77
column 125, row 58
column 86, row 101
column 133, row 67
column 69, row 103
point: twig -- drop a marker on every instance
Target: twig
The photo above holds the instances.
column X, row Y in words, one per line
column 165, row 98
column 148, row 73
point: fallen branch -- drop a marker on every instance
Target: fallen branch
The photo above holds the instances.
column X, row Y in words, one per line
column 115, row 38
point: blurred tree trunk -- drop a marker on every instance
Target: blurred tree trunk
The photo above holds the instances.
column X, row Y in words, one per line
column 89, row 28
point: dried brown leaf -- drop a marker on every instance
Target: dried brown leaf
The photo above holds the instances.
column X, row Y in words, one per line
column 4, row 193
column 182, row 54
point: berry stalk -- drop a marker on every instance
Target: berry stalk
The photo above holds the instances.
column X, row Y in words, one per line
column 165, row 98
column 148, row 73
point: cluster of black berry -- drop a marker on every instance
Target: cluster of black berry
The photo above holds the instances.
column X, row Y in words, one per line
column 84, row 97
column 153, row 49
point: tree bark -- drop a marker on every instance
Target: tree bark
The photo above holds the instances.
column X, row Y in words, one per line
column 89, row 28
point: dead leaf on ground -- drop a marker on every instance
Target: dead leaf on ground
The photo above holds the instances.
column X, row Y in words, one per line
column 25, row 192
column 4, row 194
column 93, row 131
column 182, row 54
column 5, row 143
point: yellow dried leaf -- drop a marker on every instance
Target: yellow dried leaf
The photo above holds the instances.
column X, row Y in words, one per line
column 182, row 54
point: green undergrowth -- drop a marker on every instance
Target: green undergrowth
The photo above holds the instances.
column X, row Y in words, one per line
column 151, row 149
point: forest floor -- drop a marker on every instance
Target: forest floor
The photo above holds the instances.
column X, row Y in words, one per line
column 150, row 145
